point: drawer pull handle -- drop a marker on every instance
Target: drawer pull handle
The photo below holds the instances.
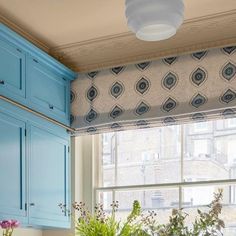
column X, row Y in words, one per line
column 35, row 60
column 51, row 107
column 32, row 204
column 2, row 82
column 18, row 50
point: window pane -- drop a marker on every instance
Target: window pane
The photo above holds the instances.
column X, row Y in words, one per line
column 162, row 200
column 141, row 156
column 105, row 198
column 199, row 197
column 210, row 150
column 107, row 174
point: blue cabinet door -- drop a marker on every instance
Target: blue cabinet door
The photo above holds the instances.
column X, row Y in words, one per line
column 47, row 90
column 48, row 179
column 12, row 171
column 12, row 71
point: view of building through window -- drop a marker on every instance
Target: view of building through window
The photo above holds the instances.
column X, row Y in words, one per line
column 201, row 154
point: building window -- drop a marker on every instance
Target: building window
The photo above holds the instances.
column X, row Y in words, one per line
column 231, row 123
column 169, row 167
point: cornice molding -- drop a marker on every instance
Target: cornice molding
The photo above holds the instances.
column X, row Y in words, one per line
column 216, row 30
column 188, row 49
column 23, row 33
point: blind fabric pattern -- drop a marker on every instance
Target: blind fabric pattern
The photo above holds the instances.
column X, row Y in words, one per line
column 173, row 90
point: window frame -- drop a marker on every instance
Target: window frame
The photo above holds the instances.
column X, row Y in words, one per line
column 143, row 187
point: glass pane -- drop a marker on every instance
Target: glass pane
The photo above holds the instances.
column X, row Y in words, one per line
column 107, row 174
column 199, row 197
column 210, row 150
column 105, row 198
column 144, row 156
column 161, row 200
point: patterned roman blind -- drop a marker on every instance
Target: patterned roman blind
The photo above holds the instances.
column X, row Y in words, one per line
column 173, row 90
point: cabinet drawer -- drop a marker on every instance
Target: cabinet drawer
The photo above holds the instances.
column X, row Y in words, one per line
column 47, row 89
column 12, row 71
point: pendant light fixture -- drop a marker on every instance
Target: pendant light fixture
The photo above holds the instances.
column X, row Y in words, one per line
column 154, row 20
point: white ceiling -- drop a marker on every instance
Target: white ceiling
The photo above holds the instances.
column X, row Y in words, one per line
column 61, row 22
column 93, row 34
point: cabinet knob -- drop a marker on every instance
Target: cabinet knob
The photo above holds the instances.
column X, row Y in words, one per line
column 51, row 107
column 32, row 204
column 2, row 82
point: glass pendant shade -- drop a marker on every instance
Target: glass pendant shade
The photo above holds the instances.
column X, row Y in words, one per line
column 154, row 20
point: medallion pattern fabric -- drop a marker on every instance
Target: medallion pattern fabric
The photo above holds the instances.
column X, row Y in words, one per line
column 172, row 90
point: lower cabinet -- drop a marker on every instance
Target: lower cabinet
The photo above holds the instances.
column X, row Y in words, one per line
column 34, row 169
column 12, row 168
column 48, row 184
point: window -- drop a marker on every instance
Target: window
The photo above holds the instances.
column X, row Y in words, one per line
column 231, row 123
column 169, row 167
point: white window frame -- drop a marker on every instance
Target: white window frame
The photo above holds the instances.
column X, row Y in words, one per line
column 180, row 185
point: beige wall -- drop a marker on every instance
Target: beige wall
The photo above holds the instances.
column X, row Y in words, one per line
column 26, row 232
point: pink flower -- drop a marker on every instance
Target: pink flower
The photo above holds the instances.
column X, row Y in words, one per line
column 5, row 224
column 15, row 223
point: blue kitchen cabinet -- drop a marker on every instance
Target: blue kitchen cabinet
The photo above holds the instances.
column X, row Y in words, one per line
column 48, row 178
column 34, row 152
column 34, row 169
column 32, row 78
column 12, row 168
column 47, row 90
column 12, row 71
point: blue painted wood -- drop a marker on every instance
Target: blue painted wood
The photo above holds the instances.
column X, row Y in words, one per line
column 12, row 168
column 47, row 90
column 14, row 38
column 33, row 78
column 12, row 70
column 48, row 183
column 45, row 168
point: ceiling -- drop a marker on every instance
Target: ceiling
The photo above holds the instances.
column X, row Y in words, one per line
column 92, row 34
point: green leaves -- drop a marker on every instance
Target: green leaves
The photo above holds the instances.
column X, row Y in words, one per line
column 140, row 224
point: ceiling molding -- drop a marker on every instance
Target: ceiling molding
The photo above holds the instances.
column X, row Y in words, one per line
column 23, row 33
column 196, row 34
column 216, row 30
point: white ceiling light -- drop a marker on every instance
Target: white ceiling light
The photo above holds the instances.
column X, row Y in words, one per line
column 154, row 20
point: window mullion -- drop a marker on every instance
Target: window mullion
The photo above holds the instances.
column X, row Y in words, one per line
column 116, row 160
column 181, row 165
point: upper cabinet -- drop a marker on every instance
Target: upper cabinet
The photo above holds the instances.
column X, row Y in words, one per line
column 32, row 78
column 48, row 91
column 12, row 70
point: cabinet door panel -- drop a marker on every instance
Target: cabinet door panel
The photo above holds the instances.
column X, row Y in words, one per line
column 48, row 177
column 47, row 89
column 12, row 161
column 12, row 70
